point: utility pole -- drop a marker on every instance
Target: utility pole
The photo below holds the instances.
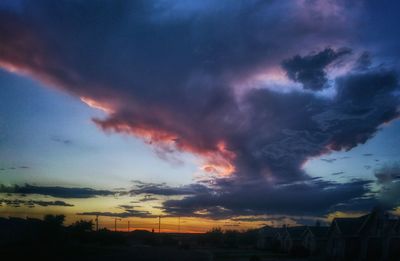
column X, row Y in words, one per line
column 159, row 224
column 97, row 222
column 179, row 224
column 115, row 224
column 128, row 226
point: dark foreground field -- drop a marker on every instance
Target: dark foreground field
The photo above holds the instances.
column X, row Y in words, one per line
column 136, row 253
column 49, row 239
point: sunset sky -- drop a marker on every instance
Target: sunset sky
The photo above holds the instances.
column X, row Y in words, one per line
column 230, row 114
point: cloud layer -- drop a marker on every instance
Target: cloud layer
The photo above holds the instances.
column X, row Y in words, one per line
column 57, row 191
column 32, row 203
column 182, row 77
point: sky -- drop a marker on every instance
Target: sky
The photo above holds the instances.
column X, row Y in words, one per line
column 231, row 114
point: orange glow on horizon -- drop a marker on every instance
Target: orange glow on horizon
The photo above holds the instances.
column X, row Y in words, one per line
column 168, row 224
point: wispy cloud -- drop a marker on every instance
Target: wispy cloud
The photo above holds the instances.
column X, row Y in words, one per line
column 337, row 173
column 14, row 168
column 61, row 140
column 163, row 189
column 126, row 214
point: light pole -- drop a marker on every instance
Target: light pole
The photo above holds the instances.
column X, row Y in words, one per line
column 115, row 224
column 97, row 222
column 159, row 224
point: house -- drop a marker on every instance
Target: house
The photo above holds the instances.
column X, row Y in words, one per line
column 293, row 239
column 375, row 236
column 270, row 238
column 315, row 239
column 391, row 244
column 343, row 239
column 305, row 240
column 297, row 240
column 370, row 237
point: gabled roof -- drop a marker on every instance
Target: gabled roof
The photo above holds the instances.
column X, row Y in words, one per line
column 392, row 227
column 269, row 231
column 350, row 226
column 360, row 225
column 319, row 231
column 296, row 232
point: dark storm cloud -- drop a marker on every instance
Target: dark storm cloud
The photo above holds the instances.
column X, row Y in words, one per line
column 126, row 214
column 388, row 181
column 14, row 168
column 32, row 203
column 162, row 189
column 56, row 191
column 310, row 70
column 388, row 173
column 257, row 198
column 386, row 194
column 147, row 198
column 279, row 138
column 126, row 207
column 171, row 74
column 252, row 219
column 361, row 204
column 364, row 61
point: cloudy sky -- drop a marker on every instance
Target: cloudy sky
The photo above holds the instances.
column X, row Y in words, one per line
column 223, row 113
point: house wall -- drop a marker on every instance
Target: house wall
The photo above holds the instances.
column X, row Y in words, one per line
column 287, row 244
column 393, row 250
column 309, row 243
column 352, row 248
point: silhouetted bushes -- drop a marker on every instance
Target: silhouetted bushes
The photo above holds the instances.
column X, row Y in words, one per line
column 216, row 237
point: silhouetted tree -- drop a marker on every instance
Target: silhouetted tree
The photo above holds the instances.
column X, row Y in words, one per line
column 231, row 238
column 53, row 228
column 214, row 237
column 248, row 237
column 54, row 220
column 82, row 226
